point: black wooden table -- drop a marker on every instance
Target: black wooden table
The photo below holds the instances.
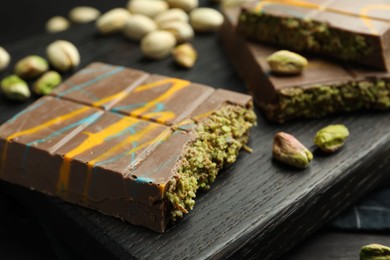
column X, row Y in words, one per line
column 324, row 245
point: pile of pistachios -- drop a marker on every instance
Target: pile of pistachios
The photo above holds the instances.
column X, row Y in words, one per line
column 162, row 28
column 61, row 56
column 287, row 149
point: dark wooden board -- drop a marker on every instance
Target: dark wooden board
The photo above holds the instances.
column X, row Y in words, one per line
column 257, row 207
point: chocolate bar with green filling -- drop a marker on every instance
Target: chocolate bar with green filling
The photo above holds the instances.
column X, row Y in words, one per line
column 324, row 87
column 357, row 31
column 129, row 144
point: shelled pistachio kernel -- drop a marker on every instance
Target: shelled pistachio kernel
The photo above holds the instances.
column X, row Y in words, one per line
column 186, row 5
column 206, row 19
column 47, row 82
column 31, row 66
column 15, row 88
column 375, row 252
column 63, row 55
column 287, row 62
column 57, row 24
column 158, row 44
column 331, row 138
column 149, row 8
column 185, row 55
column 137, row 26
column 287, row 149
column 5, row 58
column 182, row 31
column 171, row 15
column 233, row 3
column 112, row 21
column 83, row 14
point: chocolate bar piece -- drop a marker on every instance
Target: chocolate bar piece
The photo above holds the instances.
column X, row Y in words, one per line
column 129, row 144
column 358, row 32
column 323, row 88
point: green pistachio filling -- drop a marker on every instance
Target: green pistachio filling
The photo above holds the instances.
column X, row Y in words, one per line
column 322, row 100
column 217, row 142
column 304, row 35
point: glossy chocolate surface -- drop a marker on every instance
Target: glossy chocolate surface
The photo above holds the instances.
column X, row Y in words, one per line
column 109, row 142
column 369, row 20
column 250, row 62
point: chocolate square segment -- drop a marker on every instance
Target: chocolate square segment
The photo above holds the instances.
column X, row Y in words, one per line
column 100, row 85
column 163, row 100
column 29, row 141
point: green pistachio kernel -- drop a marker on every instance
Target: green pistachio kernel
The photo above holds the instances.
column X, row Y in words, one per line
column 289, row 150
column 15, row 88
column 375, row 252
column 287, row 62
column 31, row 66
column 331, row 138
column 47, row 82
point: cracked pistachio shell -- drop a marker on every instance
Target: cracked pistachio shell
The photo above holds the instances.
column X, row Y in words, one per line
column 83, row 14
column 186, row 5
column 206, row 19
column 158, row 44
column 47, row 82
column 375, row 252
column 171, row 15
column 137, row 26
column 182, row 31
column 148, row 8
column 5, row 59
column 287, row 62
column 185, row 55
column 57, row 24
column 112, row 21
column 289, row 150
column 31, row 66
column 15, row 88
column 331, row 138
column 63, row 55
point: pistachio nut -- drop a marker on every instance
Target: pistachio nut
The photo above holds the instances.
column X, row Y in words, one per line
column 15, row 88
column 112, row 21
column 288, row 149
column 149, row 8
column 47, row 82
column 287, row 62
column 331, row 138
column 158, row 44
column 183, row 31
column 206, row 19
column 83, row 14
column 375, row 252
column 63, row 55
column 137, row 26
column 171, row 15
column 31, row 66
column 185, row 55
column 186, row 5
column 233, row 3
column 57, row 24
column 5, row 58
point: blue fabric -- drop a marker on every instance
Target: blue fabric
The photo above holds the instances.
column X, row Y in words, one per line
column 370, row 214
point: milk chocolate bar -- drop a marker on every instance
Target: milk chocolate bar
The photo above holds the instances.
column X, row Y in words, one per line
column 324, row 87
column 357, row 31
column 129, row 144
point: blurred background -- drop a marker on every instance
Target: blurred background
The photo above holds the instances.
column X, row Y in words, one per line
column 20, row 19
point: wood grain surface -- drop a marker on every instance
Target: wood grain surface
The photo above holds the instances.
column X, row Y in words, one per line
column 257, row 208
